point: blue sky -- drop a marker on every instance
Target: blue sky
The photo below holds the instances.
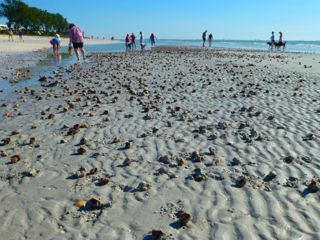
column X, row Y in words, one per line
column 187, row 19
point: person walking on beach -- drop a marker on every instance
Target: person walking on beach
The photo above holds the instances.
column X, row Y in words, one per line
column 10, row 32
column 210, row 39
column 76, row 40
column 20, row 33
column 142, row 44
column 272, row 38
column 204, row 38
column 272, row 41
column 128, row 42
column 55, row 42
column 133, row 41
column 153, row 40
column 280, row 38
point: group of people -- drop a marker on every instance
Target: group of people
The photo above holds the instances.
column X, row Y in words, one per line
column 11, row 34
column 278, row 45
column 75, row 42
column 130, row 41
column 272, row 38
column 204, row 39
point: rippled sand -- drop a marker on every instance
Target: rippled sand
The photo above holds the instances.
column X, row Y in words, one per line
column 228, row 137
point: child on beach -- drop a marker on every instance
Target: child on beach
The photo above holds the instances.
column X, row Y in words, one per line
column 55, row 42
column 153, row 40
column 10, row 32
column 76, row 39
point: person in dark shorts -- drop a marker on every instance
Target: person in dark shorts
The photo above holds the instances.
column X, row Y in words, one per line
column 272, row 38
column 280, row 37
column 210, row 39
column 133, row 41
column 153, row 40
column 76, row 39
column 20, row 33
column 204, row 38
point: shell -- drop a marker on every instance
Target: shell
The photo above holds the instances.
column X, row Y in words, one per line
column 182, row 162
column 288, row 159
column 14, row 159
column 32, row 141
column 84, row 125
column 81, row 174
column 81, row 151
column 241, row 181
column 103, row 181
column 128, row 145
column 94, row 203
column 84, row 141
column 93, row 171
column 185, row 218
column 313, row 187
column 80, row 204
column 6, row 141
column 157, row 234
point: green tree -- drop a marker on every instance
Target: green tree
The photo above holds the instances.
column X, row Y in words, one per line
column 32, row 19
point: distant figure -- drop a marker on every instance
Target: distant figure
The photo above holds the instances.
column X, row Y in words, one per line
column 20, row 33
column 272, row 41
column 153, row 40
column 55, row 42
column 272, row 38
column 10, row 32
column 204, row 37
column 280, row 37
column 76, row 39
column 210, row 39
column 112, row 38
column 142, row 44
column 133, row 41
column 128, row 42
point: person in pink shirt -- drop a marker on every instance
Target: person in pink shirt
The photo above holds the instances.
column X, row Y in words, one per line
column 128, row 42
column 76, row 39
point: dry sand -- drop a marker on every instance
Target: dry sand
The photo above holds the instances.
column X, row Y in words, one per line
column 228, row 138
column 32, row 43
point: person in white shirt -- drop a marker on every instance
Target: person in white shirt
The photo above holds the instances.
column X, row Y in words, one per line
column 142, row 44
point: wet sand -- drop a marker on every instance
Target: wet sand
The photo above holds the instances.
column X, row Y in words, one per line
column 16, row 57
column 171, row 144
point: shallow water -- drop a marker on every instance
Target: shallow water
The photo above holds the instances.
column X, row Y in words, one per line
column 48, row 65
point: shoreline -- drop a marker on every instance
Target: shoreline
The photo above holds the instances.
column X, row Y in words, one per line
column 227, row 139
column 32, row 43
column 16, row 57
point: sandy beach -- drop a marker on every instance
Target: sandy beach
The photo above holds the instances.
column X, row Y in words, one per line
column 177, row 143
column 16, row 57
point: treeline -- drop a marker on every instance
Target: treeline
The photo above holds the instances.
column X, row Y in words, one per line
column 32, row 19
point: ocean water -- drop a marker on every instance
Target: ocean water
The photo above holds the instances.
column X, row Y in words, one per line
column 261, row 45
column 49, row 65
